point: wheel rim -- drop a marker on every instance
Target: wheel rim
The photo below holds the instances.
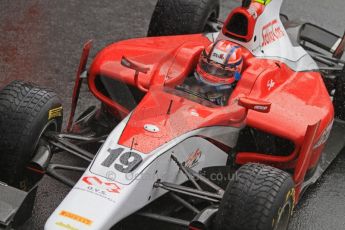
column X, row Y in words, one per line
column 211, row 20
column 27, row 181
column 284, row 218
column 50, row 126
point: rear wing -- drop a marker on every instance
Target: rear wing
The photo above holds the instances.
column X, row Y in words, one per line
column 313, row 38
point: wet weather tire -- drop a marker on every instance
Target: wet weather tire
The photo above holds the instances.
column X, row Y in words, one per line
column 259, row 198
column 26, row 110
column 175, row 17
column 339, row 98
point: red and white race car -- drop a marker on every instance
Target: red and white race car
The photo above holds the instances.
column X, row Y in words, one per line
column 158, row 150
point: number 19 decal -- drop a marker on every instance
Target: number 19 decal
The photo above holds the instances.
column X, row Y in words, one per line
column 129, row 161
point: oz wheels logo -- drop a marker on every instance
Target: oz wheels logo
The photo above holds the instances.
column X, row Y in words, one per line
column 124, row 162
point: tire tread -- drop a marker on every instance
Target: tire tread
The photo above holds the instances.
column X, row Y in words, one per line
column 20, row 104
column 251, row 196
column 175, row 17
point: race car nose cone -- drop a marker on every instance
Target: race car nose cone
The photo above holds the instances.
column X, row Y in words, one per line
column 151, row 128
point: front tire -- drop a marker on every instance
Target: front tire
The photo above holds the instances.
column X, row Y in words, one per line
column 176, row 17
column 259, row 198
column 26, row 111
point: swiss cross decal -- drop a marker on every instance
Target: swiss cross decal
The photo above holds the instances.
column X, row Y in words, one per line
column 270, row 84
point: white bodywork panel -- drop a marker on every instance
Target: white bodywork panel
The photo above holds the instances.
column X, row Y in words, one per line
column 281, row 49
column 111, row 195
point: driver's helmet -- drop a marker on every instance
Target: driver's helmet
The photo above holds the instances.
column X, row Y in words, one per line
column 220, row 64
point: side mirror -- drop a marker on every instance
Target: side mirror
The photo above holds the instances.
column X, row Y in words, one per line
column 338, row 53
column 254, row 104
column 134, row 66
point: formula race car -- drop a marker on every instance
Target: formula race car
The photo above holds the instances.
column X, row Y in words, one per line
column 158, row 149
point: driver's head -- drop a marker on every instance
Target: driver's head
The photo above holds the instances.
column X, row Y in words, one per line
column 220, row 63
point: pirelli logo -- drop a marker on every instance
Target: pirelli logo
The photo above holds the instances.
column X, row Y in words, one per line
column 53, row 113
column 76, row 217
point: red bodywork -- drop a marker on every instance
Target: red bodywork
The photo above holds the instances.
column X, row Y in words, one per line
column 301, row 108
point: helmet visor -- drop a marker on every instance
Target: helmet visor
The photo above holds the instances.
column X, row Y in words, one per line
column 215, row 69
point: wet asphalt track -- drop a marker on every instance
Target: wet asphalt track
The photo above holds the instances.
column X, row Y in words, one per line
column 41, row 41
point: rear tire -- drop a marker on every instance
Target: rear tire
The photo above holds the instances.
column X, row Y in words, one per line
column 259, row 198
column 339, row 98
column 175, row 17
column 26, row 111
